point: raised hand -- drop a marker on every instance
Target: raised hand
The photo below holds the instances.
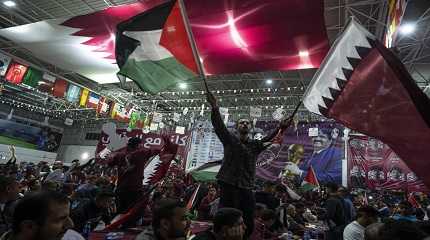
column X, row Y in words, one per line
column 286, row 123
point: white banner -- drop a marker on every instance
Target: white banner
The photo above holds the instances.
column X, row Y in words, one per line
column 4, row 63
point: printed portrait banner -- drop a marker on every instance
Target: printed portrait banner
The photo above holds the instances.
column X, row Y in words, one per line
column 297, row 147
column 372, row 164
column 324, row 152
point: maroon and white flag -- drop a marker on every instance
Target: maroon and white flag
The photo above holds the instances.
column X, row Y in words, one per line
column 363, row 85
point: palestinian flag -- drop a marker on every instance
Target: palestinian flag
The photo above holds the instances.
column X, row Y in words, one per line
column 364, row 86
column 153, row 49
column 310, row 182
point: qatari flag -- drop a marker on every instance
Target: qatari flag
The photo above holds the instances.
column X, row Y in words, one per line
column 236, row 36
column 365, row 87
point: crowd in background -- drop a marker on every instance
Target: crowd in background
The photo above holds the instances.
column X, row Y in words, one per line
column 89, row 193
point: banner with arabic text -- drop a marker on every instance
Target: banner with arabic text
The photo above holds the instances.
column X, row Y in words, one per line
column 372, row 164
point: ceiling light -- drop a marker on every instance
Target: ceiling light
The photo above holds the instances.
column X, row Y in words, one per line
column 269, row 81
column 304, row 54
column 85, row 156
column 182, row 85
column 407, row 28
column 9, row 3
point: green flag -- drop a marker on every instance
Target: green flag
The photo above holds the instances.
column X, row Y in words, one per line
column 32, row 77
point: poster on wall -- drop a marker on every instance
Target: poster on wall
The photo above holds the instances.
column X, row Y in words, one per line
column 372, row 164
column 318, row 144
column 40, row 138
column 324, row 151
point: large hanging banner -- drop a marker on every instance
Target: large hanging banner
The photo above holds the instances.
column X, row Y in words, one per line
column 372, row 164
column 115, row 139
column 319, row 145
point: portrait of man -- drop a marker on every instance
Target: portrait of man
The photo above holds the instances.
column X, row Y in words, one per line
column 326, row 159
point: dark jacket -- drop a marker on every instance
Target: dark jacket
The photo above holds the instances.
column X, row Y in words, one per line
column 267, row 199
column 238, row 166
column 335, row 215
column 89, row 211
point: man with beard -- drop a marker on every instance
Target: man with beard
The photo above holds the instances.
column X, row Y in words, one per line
column 326, row 159
column 38, row 216
column 9, row 196
column 169, row 222
column 237, row 173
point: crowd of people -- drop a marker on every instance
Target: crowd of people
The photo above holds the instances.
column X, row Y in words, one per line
column 53, row 201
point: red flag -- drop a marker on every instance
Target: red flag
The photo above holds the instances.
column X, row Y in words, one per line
column 60, row 87
column 413, row 201
column 366, row 88
column 15, row 73
column 238, row 36
column 310, row 181
column 193, row 197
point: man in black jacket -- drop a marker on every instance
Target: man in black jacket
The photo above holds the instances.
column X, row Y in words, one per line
column 335, row 213
column 237, row 173
column 94, row 211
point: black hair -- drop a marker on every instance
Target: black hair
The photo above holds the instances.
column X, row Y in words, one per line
column 226, row 217
column 134, row 142
column 164, row 209
column 268, row 214
column 5, row 181
column 368, row 211
column 398, row 230
column 35, row 207
column 102, row 194
column 332, row 187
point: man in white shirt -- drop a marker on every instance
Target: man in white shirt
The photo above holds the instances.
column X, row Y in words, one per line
column 355, row 230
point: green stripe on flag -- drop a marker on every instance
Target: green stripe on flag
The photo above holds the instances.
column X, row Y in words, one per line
column 156, row 76
column 32, row 77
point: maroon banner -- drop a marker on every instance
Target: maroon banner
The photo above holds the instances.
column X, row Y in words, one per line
column 374, row 165
column 116, row 139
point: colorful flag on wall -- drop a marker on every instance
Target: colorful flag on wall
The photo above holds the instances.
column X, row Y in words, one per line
column 60, row 87
column 32, row 77
column 84, row 97
column 396, row 9
column 15, row 73
column 82, row 44
column 365, row 87
column 93, row 100
column 47, row 83
column 4, row 63
column 73, row 93
column 154, row 51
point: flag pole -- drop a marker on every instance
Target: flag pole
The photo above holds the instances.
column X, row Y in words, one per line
column 193, row 43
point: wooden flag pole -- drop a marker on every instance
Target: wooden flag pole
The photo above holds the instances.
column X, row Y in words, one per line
column 193, row 43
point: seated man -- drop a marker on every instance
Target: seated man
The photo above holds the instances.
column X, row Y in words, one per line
column 169, row 222
column 99, row 209
column 228, row 225
column 43, row 215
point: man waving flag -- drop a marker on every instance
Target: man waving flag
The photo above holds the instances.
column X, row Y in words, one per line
column 365, row 87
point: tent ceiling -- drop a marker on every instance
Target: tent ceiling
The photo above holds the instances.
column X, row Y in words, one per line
column 287, row 87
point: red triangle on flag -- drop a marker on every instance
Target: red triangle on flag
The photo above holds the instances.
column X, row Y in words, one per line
column 311, row 177
column 174, row 37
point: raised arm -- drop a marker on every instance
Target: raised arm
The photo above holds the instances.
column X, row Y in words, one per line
column 217, row 122
column 283, row 125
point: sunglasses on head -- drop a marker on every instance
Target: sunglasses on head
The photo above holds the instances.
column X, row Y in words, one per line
column 244, row 122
